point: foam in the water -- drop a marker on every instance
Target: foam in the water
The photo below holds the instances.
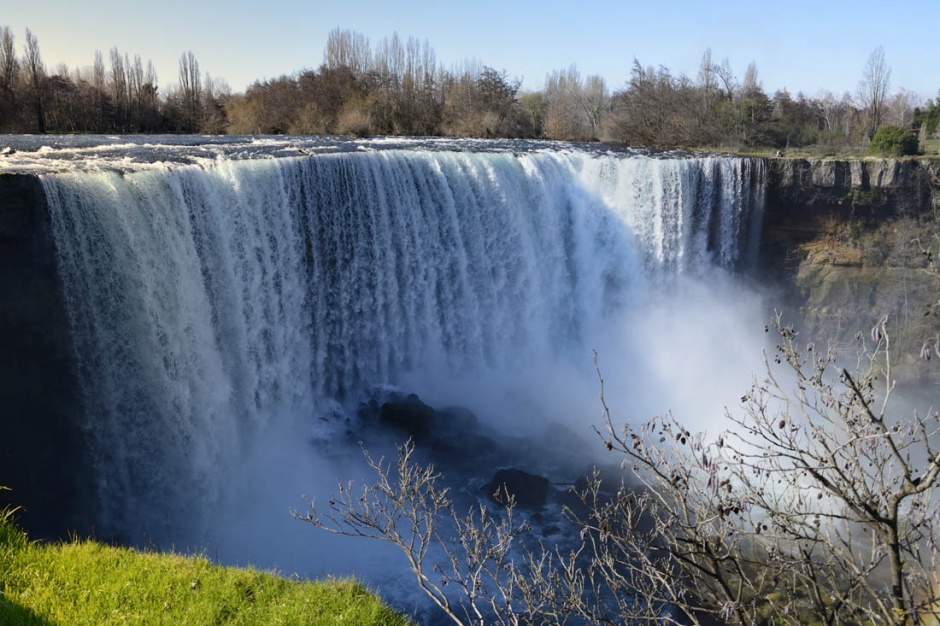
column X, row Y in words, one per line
column 217, row 306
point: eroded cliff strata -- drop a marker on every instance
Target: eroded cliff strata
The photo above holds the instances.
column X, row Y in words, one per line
column 853, row 240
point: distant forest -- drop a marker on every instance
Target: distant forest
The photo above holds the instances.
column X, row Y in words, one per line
column 397, row 87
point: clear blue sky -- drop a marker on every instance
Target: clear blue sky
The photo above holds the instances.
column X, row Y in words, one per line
column 803, row 45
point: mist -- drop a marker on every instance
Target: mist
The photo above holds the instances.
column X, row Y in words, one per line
column 691, row 350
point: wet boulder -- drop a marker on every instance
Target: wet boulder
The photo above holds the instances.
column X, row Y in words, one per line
column 409, row 415
column 528, row 490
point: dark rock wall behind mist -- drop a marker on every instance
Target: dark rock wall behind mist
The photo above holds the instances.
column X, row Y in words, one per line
column 41, row 455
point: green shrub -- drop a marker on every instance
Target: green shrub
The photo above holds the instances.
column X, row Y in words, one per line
column 893, row 141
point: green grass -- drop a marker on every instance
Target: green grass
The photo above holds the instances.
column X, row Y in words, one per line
column 86, row 582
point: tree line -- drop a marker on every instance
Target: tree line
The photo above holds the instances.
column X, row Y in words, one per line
column 397, row 87
column 120, row 95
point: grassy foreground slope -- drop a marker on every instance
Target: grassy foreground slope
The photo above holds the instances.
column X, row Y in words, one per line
column 86, row 582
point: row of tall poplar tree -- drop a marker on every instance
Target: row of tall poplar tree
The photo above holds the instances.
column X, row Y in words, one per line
column 397, row 87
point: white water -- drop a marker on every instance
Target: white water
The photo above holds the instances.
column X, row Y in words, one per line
column 220, row 308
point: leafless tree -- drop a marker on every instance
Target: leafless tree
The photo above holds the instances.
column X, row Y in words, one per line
column 212, row 116
column 482, row 102
column 594, row 101
column 349, row 49
column 119, row 89
column 478, row 568
column 409, row 508
column 899, row 109
column 816, row 505
column 102, row 100
column 35, row 75
column 190, row 90
column 873, row 89
column 829, row 108
column 576, row 108
column 715, row 81
column 707, row 81
column 9, row 65
column 9, row 74
column 751, row 84
column 656, row 109
column 727, row 82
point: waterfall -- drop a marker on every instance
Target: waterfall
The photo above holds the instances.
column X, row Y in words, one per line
column 209, row 301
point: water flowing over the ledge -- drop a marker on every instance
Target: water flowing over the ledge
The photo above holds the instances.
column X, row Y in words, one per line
column 210, row 301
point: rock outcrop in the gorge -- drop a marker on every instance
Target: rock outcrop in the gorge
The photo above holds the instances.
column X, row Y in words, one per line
column 854, row 240
column 37, row 380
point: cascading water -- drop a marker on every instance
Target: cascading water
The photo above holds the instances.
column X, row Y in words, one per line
column 212, row 302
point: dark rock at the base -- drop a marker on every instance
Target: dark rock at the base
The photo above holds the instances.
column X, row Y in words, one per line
column 465, row 447
column 368, row 411
column 409, row 415
column 459, row 437
column 528, row 490
column 457, row 419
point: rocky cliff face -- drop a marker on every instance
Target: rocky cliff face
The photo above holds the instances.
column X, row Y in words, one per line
column 40, row 438
column 854, row 240
column 840, row 176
